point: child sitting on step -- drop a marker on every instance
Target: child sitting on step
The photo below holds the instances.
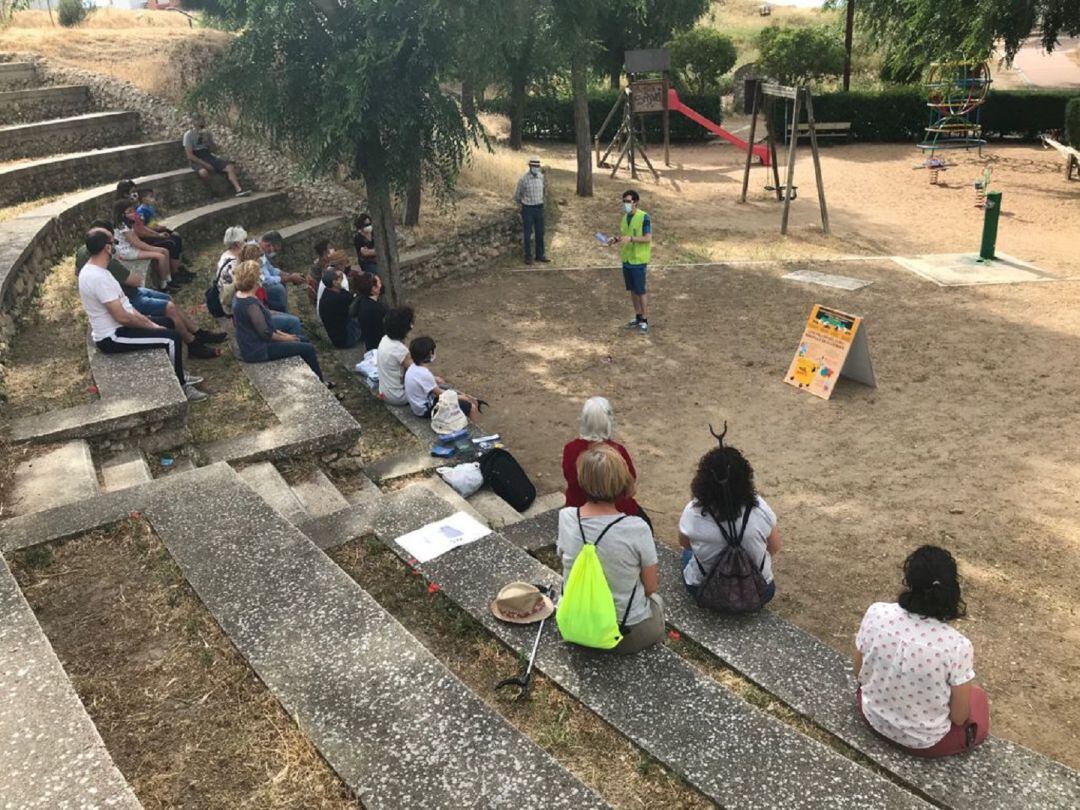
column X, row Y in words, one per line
column 423, row 389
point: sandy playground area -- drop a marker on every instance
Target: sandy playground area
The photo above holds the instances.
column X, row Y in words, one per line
column 968, row 440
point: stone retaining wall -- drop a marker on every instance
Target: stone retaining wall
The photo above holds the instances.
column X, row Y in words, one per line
column 14, row 76
column 469, row 251
column 67, row 135
column 41, row 103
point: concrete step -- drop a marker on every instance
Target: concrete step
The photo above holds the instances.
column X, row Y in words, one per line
column 215, row 217
column 310, row 419
column 499, row 514
column 264, row 478
column 71, row 134
column 731, row 751
column 52, row 754
column 63, row 474
column 398, row 727
column 318, row 495
column 366, row 493
column 445, row 492
column 43, row 103
column 17, row 74
column 301, row 237
column 403, row 464
column 63, row 173
column 124, row 470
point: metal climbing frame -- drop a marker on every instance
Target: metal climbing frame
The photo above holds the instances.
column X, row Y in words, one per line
column 955, row 93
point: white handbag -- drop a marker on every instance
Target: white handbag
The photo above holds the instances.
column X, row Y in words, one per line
column 447, row 417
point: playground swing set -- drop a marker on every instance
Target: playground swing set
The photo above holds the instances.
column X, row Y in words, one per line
column 650, row 92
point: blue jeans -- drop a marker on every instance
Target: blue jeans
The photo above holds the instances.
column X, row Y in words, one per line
column 150, row 303
column 286, row 323
column 279, row 350
column 277, row 298
column 532, row 219
column 688, row 555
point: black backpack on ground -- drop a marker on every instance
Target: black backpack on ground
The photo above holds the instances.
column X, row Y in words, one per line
column 735, row 584
column 213, row 294
column 506, row 478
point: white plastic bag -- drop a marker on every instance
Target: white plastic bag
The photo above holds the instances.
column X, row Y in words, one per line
column 465, row 479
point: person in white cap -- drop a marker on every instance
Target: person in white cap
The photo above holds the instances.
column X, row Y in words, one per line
column 530, row 196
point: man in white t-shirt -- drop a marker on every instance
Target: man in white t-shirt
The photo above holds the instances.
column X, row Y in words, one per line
column 115, row 326
column 423, row 389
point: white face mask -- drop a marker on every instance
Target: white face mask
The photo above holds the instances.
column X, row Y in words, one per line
column 628, row 207
column 432, row 358
column 534, row 171
column 367, row 229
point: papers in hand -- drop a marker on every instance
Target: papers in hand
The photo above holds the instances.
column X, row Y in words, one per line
column 603, row 239
column 435, row 539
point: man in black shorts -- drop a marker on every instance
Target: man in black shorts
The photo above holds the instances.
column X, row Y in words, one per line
column 198, row 144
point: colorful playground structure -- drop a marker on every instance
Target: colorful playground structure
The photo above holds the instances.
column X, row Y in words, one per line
column 955, row 93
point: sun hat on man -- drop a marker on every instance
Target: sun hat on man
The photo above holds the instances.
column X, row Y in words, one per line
column 521, row 603
column 534, row 160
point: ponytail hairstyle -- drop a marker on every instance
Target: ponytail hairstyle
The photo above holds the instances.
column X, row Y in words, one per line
column 931, row 585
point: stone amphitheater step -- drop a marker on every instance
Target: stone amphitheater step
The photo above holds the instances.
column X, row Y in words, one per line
column 51, row 755
column 264, row 478
column 309, row 418
column 319, row 495
column 63, row 173
column 88, row 131
column 124, row 470
column 42, row 103
column 733, row 753
column 17, row 74
column 215, row 217
column 64, row 474
column 391, row 720
column 817, row 682
column 300, row 238
column 139, row 399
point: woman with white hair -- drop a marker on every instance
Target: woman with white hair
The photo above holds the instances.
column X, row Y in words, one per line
column 596, row 425
column 235, row 237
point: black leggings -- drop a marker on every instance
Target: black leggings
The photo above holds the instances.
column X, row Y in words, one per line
column 137, row 339
column 173, row 243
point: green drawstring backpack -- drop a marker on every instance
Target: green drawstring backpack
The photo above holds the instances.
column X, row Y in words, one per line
column 586, row 612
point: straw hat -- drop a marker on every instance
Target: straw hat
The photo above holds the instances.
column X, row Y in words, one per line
column 521, row 603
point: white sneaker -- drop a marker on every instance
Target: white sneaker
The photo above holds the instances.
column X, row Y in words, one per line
column 643, row 327
column 193, row 394
column 191, row 379
column 632, row 324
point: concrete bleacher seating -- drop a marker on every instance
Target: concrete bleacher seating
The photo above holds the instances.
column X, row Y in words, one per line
column 42, row 103
column 90, row 130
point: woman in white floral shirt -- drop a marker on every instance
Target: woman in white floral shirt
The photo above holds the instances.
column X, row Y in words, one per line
column 916, row 673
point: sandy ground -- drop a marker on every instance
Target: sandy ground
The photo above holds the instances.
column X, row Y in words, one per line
column 964, row 443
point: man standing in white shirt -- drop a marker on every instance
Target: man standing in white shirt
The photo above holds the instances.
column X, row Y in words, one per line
column 115, row 326
column 529, row 194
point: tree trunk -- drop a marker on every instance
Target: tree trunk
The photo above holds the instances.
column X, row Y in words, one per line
column 468, row 99
column 381, row 208
column 412, row 199
column 582, row 132
column 517, row 110
column 615, row 76
column 849, row 29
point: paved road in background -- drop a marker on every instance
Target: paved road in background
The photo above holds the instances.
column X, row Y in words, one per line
column 1057, row 69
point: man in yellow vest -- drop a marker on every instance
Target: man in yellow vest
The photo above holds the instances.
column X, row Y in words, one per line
column 635, row 234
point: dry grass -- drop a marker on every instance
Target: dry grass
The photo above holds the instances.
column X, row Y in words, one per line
column 585, row 745
column 741, row 21
column 185, row 719
column 130, row 45
column 47, row 367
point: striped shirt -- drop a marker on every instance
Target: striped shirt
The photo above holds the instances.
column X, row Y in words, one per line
column 530, row 189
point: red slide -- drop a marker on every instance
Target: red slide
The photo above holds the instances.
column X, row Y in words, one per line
column 675, row 105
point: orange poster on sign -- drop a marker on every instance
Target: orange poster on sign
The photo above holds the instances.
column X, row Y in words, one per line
column 832, row 345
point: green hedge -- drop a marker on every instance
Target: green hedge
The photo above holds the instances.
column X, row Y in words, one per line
column 1072, row 122
column 551, row 118
column 895, row 114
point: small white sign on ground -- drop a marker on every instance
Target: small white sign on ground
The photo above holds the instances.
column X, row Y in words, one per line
column 963, row 269
column 827, row 280
column 435, row 539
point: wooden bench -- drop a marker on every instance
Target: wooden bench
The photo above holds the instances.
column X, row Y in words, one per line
column 835, row 129
column 1071, row 155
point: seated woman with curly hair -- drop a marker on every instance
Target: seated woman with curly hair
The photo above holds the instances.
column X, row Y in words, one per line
column 916, row 673
column 724, row 496
column 256, row 337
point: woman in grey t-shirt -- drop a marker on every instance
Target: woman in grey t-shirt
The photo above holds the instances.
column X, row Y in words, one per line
column 627, row 551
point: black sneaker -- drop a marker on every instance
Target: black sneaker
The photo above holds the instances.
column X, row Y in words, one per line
column 206, row 336
column 201, row 352
column 183, row 274
column 173, row 286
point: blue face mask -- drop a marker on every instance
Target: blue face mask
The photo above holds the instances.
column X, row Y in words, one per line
column 628, row 207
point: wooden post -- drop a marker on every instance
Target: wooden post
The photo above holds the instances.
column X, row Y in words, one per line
column 773, row 160
column 632, row 156
column 750, row 142
column 666, row 123
column 791, row 160
column 817, row 160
